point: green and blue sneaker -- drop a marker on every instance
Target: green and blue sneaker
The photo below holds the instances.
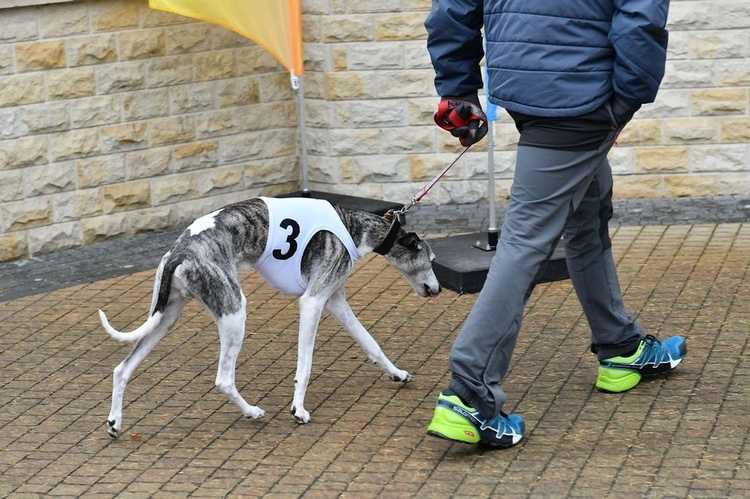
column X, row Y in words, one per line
column 652, row 358
column 454, row 420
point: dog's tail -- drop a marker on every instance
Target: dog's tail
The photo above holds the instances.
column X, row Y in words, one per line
column 136, row 335
column 162, row 289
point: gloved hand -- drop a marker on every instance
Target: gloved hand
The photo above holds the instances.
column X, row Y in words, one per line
column 622, row 110
column 463, row 119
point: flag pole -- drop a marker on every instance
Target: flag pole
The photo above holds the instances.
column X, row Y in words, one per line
column 297, row 86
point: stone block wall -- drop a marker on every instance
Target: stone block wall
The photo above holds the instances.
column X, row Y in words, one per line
column 115, row 118
column 372, row 134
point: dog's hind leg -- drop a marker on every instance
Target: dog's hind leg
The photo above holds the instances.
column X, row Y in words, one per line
column 124, row 370
column 310, row 308
column 231, row 334
column 338, row 307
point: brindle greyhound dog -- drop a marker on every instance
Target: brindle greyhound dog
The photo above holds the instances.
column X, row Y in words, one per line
column 301, row 246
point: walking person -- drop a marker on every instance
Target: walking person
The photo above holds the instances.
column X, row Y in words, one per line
column 571, row 75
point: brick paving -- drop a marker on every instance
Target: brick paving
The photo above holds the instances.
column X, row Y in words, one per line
column 683, row 436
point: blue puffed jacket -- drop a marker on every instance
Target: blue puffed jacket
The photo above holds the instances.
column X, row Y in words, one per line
column 549, row 58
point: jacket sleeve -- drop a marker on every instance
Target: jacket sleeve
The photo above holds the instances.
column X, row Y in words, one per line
column 639, row 38
column 454, row 41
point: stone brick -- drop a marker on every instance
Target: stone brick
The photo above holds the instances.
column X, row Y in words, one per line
column 74, row 205
column 44, row 118
column 733, row 184
column 113, row 16
column 268, row 116
column 720, row 158
column 18, row 25
column 216, row 123
column 255, row 60
column 350, row 85
column 92, row 49
column 424, row 167
column 415, row 55
column 350, row 142
column 151, row 219
column 407, row 140
column 145, row 104
column 695, row 185
column 381, row 168
column 237, row 92
column 719, row 101
column 123, row 77
column 641, row 133
column 53, row 238
column 275, row 87
column 70, row 83
column 408, row 83
column 369, row 114
column 13, row 246
column 64, row 20
column 19, row 153
column 96, row 229
column 169, row 71
column 691, row 130
column 100, row 170
column 364, row 56
column 12, row 182
column 661, row 159
column 125, row 137
column 717, row 45
column 688, row 74
column 6, row 59
column 214, row 65
column 271, row 171
column 195, row 156
column 735, row 129
column 48, row 179
column 350, row 28
column 421, row 111
column 732, row 73
column 670, row 103
column 38, row 56
column 399, row 26
column 638, row 186
column 151, row 18
column 186, row 38
column 74, row 144
column 95, row 111
column 191, row 98
column 26, row 214
column 128, row 196
column 142, row 44
column 174, row 188
column 17, row 90
column 148, row 163
column 171, row 130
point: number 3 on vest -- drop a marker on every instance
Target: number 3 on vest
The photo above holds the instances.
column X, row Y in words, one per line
column 290, row 239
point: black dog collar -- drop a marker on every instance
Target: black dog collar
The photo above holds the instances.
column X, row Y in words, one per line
column 390, row 238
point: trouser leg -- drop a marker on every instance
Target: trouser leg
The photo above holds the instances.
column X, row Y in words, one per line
column 547, row 187
column 588, row 252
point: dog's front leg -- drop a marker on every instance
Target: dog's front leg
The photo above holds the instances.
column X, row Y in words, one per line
column 310, row 309
column 338, row 307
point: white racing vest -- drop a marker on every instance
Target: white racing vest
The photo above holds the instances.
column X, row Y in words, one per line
column 292, row 222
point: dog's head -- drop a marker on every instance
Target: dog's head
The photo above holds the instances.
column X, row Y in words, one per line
column 413, row 258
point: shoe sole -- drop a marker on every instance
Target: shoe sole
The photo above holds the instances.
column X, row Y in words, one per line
column 628, row 381
column 489, row 445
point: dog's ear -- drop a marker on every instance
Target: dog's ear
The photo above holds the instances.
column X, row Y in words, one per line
column 410, row 241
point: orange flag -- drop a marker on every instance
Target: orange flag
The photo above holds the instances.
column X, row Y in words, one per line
column 275, row 25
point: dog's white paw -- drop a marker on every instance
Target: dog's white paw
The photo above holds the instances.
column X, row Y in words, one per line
column 254, row 412
column 401, row 376
column 113, row 430
column 300, row 415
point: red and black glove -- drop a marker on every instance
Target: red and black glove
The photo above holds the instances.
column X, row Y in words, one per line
column 463, row 119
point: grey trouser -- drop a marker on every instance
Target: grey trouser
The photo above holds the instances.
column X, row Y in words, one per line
column 555, row 192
